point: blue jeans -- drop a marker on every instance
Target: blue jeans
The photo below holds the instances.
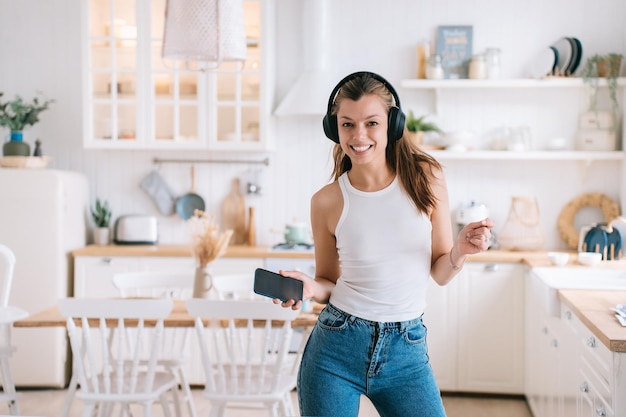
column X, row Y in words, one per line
column 346, row 357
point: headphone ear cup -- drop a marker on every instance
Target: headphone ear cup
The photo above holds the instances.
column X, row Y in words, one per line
column 395, row 124
column 329, row 123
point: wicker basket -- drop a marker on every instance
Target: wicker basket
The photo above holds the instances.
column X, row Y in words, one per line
column 33, row 162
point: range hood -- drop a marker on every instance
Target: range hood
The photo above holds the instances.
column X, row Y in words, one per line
column 309, row 94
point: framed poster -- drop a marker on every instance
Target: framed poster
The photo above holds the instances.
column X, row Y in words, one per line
column 454, row 45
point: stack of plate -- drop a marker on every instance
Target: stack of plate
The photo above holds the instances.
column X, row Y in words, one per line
column 562, row 58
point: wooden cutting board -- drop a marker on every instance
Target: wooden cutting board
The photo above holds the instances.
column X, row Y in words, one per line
column 234, row 214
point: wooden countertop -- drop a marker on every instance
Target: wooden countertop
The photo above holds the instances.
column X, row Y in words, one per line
column 592, row 308
column 184, row 251
column 179, row 317
column 538, row 258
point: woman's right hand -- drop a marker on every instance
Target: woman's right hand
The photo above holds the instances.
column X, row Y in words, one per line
column 308, row 289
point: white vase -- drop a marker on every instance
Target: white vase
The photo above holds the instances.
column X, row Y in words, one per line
column 202, row 283
column 101, row 236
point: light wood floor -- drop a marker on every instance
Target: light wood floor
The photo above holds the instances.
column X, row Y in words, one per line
column 48, row 403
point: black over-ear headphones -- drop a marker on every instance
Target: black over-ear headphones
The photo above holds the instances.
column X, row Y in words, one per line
column 395, row 120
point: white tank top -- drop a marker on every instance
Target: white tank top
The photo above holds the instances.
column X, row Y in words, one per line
column 384, row 246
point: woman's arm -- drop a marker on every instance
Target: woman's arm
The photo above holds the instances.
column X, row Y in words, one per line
column 326, row 207
column 449, row 252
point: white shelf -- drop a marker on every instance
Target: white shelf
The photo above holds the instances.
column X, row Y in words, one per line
column 554, row 82
column 529, row 155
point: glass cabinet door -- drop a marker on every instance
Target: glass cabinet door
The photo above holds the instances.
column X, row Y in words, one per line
column 113, row 72
column 136, row 99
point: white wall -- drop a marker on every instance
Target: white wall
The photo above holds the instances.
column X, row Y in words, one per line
column 40, row 50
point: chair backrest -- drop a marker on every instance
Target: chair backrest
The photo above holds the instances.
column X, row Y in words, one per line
column 234, row 286
column 244, row 346
column 7, row 265
column 110, row 367
column 155, row 284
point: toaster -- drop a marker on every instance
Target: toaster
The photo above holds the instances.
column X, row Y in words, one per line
column 134, row 229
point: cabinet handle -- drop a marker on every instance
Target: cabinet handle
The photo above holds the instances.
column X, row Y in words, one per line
column 491, row 267
column 544, row 330
column 554, row 343
column 601, row 411
column 568, row 315
column 584, row 387
column 107, row 260
column 591, row 342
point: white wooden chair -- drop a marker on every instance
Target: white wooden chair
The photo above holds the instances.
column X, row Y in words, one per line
column 108, row 368
column 175, row 352
column 245, row 356
column 8, row 315
column 234, row 286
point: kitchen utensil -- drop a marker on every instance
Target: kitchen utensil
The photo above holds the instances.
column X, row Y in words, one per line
column 188, row 203
column 601, row 238
column 136, row 229
column 621, row 320
column 558, row 258
column 544, row 63
column 619, row 312
column 564, row 47
column 234, row 214
column 297, row 233
column 589, row 258
column 160, row 192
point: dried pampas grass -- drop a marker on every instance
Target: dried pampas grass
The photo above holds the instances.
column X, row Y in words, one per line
column 207, row 243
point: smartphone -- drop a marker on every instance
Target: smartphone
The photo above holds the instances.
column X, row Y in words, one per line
column 273, row 285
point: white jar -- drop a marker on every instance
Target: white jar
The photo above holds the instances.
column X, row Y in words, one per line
column 434, row 70
column 478, row 68
column 492, row 59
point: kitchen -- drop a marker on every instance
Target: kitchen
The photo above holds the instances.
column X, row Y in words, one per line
column 359, row 35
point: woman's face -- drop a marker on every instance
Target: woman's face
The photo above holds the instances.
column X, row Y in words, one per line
column 362, row 128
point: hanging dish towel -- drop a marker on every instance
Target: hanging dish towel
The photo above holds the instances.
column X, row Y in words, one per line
column 162, row 195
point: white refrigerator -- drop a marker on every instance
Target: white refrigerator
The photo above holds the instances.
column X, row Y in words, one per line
column 43, row 217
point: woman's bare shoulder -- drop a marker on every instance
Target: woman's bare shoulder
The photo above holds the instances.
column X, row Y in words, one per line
column 327, row 196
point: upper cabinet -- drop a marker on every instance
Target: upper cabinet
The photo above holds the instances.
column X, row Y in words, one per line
column 134, row 99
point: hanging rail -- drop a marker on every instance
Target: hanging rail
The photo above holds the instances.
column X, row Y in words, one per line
column 265, row 161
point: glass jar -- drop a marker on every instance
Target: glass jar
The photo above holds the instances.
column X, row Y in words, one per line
column 434, row 70
column 492, row 60
column 478, row 68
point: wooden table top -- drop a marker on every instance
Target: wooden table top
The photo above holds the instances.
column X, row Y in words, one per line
column 592, row 308
column 179, row 317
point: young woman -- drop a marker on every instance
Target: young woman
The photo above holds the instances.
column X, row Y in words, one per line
column 381, row 229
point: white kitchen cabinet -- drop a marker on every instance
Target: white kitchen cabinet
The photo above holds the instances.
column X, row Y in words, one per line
column 569, row 372
column 541, row 355
column 134, row 99
column 93, row 275
column 476, row 329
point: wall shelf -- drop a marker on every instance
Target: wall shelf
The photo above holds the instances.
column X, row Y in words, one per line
column 554, row 82
column 528, row 155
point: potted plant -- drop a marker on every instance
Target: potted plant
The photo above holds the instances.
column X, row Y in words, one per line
column 101, row 215
column 419, row 125
column 602, row 66
column 16, row 115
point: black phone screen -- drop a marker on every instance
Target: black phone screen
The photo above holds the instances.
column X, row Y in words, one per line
column 273, row 285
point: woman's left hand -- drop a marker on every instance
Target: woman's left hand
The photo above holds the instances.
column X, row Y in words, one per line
column 475, row 237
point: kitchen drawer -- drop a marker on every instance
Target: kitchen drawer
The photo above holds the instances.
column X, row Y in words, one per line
column 594, row 391
column 597, row 355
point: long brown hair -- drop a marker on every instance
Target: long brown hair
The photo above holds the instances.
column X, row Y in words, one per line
column 404, row 158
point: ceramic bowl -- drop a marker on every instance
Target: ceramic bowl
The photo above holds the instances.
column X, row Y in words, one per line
column 558, row 258
column 589, row 258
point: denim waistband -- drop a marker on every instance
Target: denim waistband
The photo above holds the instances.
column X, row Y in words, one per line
column 400, row 325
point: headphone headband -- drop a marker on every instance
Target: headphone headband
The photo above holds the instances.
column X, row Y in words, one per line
column 396, row 118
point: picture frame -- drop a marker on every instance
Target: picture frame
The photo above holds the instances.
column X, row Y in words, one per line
column 454, row 45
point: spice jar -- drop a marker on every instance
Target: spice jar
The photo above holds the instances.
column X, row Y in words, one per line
column 478, row 68
column 434, row 70
column 492, row 59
